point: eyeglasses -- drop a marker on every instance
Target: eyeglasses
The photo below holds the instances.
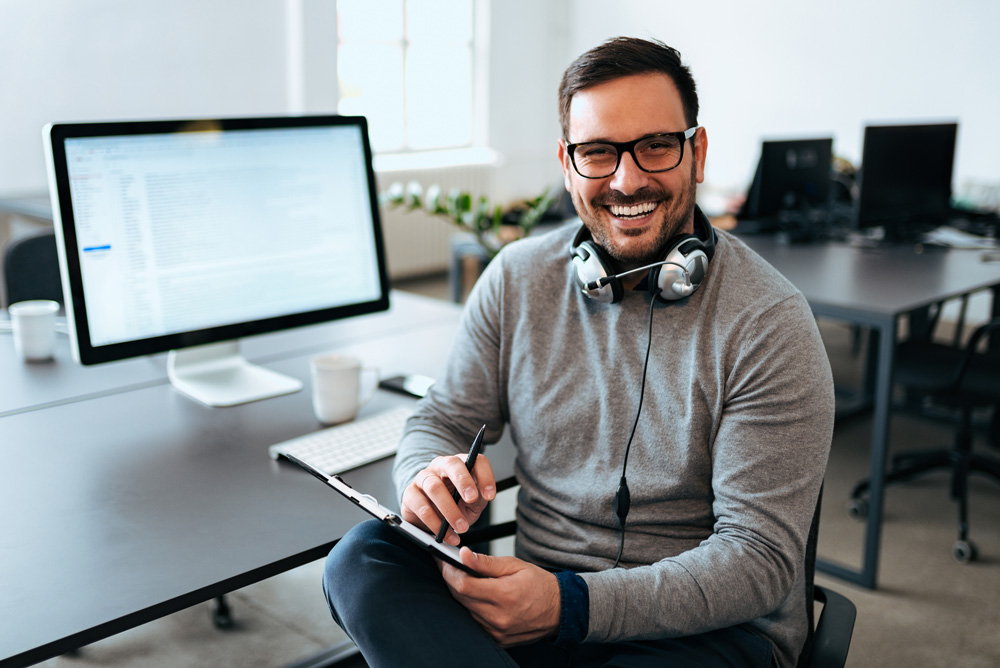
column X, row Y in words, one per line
column 652, row 153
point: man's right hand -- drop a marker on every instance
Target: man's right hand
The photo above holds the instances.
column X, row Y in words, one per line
column 428, row 497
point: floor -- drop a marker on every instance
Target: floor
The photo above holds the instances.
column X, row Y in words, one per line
column 928, row 611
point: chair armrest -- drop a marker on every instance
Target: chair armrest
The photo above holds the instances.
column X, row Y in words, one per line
column 832, row 638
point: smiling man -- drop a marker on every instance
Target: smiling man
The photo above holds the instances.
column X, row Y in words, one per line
column 671, row 405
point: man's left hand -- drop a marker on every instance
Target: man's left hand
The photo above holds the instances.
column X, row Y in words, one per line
column 516, row 602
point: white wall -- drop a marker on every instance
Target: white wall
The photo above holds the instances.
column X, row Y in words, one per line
column 787, row 68
column 65, row 60
column 528, row 53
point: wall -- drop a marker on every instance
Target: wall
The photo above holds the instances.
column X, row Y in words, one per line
column 788, row 68
column 528, row 53
column 68, row 60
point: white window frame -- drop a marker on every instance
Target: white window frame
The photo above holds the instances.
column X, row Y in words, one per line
column 313, row 86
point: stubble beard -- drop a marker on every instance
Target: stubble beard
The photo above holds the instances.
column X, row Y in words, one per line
column 675, row 213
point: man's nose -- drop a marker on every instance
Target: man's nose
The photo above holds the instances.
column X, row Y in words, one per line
column 628, row 178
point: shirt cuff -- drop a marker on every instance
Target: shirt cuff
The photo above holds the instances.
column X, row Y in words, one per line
column 574, row 609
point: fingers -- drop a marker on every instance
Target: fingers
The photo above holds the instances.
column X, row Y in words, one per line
column 455, row 471
column 431, row 495
column 516, row 603
column 485, row 479
column 488, row 565
column 426, row 500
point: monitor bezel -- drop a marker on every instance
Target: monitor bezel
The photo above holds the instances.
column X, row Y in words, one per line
column 763, row 198
column 895, row 223
column 56, row 134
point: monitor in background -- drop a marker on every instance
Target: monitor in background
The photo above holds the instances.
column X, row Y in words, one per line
column 792, row 176
column 185, row 236
column 905, row 178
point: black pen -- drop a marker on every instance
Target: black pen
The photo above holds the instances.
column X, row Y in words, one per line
column 470, row 461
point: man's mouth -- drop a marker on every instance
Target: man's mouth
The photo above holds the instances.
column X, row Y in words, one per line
column 634, row 212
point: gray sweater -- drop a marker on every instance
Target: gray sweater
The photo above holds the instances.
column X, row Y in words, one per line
column 726, row 463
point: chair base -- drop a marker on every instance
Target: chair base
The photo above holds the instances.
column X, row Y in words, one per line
column 960, row 461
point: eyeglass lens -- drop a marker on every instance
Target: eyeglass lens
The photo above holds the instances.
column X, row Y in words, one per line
column 653, row 154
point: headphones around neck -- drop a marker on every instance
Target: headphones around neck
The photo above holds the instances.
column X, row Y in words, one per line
column 677, row 276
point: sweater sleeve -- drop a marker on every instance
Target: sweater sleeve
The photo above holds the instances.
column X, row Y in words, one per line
column 768, row 454
column 465, row 395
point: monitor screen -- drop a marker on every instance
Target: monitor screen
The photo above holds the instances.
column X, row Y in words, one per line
column 792, row 175
column 175, row 234
column 905, row 179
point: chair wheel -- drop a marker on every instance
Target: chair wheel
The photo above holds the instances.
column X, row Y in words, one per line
column 964, row 551
column 857, row 508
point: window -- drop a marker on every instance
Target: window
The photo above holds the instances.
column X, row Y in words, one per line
column 407, row 65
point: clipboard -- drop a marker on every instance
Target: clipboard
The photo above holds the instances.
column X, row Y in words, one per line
column 370, row 504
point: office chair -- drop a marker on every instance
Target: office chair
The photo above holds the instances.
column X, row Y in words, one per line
column 31, row 268
column 829, row 638
column 959, row 378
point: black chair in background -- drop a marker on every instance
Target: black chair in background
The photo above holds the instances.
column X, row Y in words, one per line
column 956, row 377
column 31, row 268
column 829, row 639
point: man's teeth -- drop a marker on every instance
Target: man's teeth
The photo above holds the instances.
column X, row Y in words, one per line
column 628, row 211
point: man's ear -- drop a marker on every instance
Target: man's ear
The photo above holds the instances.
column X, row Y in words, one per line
column 700, row 152
column 567, row 168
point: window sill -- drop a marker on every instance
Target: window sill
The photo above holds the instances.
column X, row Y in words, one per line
column 399, row 162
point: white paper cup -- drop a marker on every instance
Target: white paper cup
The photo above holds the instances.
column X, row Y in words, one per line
column 340, row 387
column 34, row 326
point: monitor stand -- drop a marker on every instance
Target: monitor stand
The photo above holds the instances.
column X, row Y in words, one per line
column 217, row 374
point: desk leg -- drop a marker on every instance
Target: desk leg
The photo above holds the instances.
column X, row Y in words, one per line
column 884, row 340
column 879, row 451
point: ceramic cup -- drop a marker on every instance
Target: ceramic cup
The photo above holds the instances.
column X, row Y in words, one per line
column 34, row 326
column 341, row 385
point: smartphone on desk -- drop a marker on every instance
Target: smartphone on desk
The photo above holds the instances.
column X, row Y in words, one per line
column 413, row 384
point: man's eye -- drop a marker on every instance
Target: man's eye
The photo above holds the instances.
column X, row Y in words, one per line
column 658, row 146
column 598, row 152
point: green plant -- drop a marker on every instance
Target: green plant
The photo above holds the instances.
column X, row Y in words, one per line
column 492, row 226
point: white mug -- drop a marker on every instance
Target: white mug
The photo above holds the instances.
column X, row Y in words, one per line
column 34, row 325
column 338, row 390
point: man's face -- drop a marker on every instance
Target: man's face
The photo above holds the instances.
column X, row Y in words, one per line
column 619, row 111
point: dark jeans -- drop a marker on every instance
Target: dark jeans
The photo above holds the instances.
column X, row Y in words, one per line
column 390, row 599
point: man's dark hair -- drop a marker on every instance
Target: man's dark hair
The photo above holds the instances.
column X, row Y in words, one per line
column 621, row 57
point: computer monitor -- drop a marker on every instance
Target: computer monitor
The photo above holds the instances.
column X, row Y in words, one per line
column 905, row 178
column 186, row 235
column 792, row 175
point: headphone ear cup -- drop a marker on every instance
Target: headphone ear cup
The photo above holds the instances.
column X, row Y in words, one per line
column 591, row 265
column 677, row 282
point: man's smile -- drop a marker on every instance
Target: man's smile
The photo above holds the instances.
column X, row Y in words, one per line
column 635, row 213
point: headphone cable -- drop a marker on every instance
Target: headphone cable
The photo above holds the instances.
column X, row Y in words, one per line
column 622, row 497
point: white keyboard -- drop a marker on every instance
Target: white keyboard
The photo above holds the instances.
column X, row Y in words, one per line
column 346, row 446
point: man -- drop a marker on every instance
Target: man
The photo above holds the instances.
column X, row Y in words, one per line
column 699, row 383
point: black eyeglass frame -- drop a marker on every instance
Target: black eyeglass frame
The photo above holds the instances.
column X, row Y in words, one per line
column 629, row 147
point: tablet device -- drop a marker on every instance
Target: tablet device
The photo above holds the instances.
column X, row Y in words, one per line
column 369, row 504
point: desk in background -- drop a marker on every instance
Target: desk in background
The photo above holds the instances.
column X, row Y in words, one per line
column 875, row 287
column 124, row 501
